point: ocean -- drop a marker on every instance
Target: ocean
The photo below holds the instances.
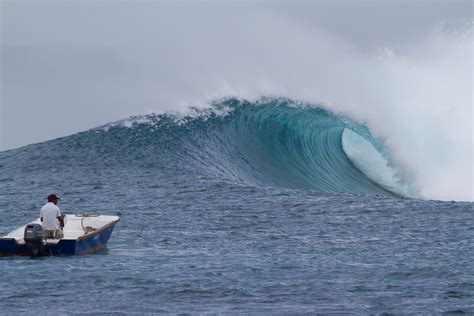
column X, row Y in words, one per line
column 269, row 207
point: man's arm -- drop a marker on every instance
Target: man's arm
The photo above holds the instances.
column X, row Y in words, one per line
column 58, row 214
column 60, row 218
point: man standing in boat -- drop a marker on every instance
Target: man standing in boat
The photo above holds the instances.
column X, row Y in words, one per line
column 50, row 215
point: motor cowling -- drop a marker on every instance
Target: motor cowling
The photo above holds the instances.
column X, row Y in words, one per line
column 34, row 238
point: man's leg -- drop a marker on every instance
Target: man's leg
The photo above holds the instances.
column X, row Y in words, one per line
column 59, row 233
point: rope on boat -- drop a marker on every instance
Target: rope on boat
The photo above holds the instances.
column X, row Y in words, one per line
column 87, row 229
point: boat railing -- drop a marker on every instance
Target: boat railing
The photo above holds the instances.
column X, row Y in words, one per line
column 87, row 229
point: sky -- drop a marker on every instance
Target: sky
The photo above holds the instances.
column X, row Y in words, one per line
column 67, row 66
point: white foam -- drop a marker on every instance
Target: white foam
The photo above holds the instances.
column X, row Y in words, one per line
column 372, row 164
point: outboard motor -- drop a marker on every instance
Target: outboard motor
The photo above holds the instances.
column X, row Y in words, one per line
column 34, row 238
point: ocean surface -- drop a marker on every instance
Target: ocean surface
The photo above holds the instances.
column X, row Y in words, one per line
column 272, row 207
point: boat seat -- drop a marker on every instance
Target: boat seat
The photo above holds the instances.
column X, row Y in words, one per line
column 51, row 241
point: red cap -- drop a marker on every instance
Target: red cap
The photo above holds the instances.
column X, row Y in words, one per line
column 52, row 197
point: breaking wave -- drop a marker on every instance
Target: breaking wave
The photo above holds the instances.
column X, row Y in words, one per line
column 274, row 142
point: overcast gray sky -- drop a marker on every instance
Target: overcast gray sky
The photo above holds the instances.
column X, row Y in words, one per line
column 67, row 66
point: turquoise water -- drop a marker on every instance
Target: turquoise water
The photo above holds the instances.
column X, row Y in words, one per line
column 245, row 208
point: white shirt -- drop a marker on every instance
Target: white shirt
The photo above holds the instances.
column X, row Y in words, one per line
column 50, row 213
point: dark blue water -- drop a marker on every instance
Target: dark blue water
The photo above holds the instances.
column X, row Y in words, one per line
column 256, row 211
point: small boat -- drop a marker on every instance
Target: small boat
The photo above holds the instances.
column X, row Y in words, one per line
column 83, row 233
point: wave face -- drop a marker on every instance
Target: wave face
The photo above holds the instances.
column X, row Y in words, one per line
column 272, row 142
